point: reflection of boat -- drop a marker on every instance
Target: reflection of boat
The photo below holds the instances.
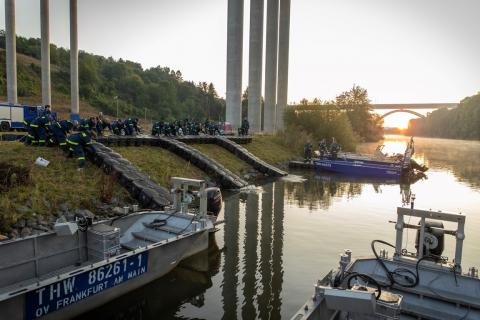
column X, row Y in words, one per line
column 162, row 298
column 84, row 265
column 374, row 166
column 338, row 177
column 407, row 285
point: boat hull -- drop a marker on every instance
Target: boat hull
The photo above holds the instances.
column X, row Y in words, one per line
column 359, row 168
column 162, row 258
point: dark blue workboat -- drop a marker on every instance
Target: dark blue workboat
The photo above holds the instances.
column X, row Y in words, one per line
column 400, row 166
column 360, row 168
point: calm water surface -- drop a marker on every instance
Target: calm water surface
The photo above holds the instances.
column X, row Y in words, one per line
column 278, row 239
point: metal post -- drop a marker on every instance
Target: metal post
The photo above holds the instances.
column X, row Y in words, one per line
column 255, row 65
column 234, row 63
column 283, row 52
column 74, row 91
column 271, row 66
column 45, row 48
column 11, row 51
column 116, row 102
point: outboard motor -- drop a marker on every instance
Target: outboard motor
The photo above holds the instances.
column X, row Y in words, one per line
column 434, row 240
column 214, row 201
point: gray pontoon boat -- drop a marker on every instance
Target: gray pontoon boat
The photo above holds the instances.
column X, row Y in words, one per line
column 59, row 275
column 420, row 285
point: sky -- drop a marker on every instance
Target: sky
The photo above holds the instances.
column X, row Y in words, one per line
column 402, row 51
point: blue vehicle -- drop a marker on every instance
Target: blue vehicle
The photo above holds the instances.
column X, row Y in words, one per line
column 12, row 116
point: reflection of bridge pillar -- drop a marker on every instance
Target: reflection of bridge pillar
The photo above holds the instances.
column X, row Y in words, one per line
column 230, row 267
column 277, row 263
column 266, row 253
column 250, row 257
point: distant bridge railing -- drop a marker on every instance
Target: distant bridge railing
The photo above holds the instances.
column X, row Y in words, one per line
column 414, row 106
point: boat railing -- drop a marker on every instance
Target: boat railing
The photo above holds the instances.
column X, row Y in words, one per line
column 400, row 225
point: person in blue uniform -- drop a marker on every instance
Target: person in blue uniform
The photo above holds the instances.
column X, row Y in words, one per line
column 59, row 130
column 334, row 149
column 322, row 148
column 77, row 143
column 39, row 129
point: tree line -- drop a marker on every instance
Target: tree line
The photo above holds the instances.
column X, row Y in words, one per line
column 462, row 122
column 348, row 118
column 106, row 82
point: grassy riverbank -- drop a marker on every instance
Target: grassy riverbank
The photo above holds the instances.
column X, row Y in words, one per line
column 53, row 188
column 160, row 164
column 60, row 188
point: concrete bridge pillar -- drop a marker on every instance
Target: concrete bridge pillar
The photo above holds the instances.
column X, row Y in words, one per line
column 283, row 55
column 255, row 65
column 74, row 91
column 234, row 63
column 11, row 51
column 45, row 49
column 271, row 66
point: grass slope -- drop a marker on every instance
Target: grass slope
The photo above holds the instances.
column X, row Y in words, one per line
column 50, row 186
column 225, row 158
column 160, row 164
column 270, row 149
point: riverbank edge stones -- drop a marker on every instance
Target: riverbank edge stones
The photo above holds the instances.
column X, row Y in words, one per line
column 140, row 186
column 179, row 146
column 226, row 178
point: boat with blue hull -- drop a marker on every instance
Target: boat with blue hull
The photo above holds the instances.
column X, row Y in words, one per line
column 376, row 166
column 360, row 168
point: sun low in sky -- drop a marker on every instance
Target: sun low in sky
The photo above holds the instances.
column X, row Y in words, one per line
column 408, row 51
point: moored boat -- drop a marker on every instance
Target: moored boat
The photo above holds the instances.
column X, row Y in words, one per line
column 358, row 167
column 408, row 285
column 378, row 165
column 59, row 275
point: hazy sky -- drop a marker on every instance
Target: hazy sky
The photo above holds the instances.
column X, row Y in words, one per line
column 400, row 50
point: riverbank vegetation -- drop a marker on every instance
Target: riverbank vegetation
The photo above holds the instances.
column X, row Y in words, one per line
column 106, row 83
column 462, row 122
column 349, row 119
column 54, row 189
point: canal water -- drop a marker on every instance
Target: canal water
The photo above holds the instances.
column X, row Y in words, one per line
column 282, row 236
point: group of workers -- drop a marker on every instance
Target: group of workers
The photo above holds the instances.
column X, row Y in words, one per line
column 195, row 128
column 47, row 130
column 323, row 149
column 74, row 136
column 177, row 128
column 127, row 127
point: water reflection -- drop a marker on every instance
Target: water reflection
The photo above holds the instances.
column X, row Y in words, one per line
column 164, row 297
column 274, row 247
column 321, row 188
column 461, row 157
column 231, row 264
column 262, row 260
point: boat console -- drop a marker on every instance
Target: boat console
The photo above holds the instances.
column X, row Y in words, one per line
column 408, row 285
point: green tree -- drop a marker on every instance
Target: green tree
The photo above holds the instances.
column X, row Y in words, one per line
column 359, row 111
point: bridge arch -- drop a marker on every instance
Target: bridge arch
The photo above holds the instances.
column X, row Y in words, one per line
column 404, row 111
